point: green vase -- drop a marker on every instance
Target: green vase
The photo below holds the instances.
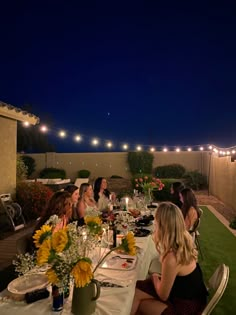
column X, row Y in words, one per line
column 84, row 299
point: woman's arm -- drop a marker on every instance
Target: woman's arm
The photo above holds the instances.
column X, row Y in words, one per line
column 164, row 283
column 81, row 209
column 190, row 218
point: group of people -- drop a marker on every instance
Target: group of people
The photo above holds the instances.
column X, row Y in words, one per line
column 179, row 289
column 73, row 203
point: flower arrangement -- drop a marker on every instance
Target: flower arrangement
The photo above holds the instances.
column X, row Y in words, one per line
column 147, row 184
column 94, row 224
column 64, row 251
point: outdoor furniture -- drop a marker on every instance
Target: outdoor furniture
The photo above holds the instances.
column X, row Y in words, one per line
column 12, row 212
column 54, row 183
column 217, row 283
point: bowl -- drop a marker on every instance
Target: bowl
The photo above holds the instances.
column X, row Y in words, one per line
column 27, row 283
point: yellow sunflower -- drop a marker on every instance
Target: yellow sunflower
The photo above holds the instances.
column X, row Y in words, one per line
column 128, row 244
column 40, row 235
column 90, row 219
column 43, row 252
column 82, row 273
column 59, row 240
column 52, row 276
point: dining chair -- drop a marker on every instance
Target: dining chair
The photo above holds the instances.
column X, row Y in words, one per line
column 216, row 287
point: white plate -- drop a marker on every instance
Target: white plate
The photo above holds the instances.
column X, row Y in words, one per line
column 120, row 262
column 28, row 283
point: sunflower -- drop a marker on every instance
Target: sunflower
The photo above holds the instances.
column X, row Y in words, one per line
column 44, row 252
column 52, row 276
column 128, row 244
column 59, row 240
column 82, row 273
column 94, row 224
column 42, row 234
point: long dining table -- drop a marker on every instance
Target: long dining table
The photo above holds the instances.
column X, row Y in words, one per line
column 112, row 300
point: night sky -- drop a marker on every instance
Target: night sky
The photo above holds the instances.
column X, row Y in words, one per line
column 142, row 72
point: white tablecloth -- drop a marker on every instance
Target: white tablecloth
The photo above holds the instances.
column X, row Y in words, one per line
column 112, row 301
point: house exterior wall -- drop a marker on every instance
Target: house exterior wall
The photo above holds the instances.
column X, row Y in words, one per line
column 8, row 155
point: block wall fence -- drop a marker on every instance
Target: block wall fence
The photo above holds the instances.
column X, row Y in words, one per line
column 220, row 171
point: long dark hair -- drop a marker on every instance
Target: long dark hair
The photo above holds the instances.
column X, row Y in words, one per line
column 97, row 187
column 71, row 188
column 189, row 200
column 175, row 198
column 55, row 206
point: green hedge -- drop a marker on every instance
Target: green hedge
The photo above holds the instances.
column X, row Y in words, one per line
column 52, row 172
column 84, row 173
column 170, row 171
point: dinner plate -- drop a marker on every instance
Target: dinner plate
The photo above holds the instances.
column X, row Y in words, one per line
column 28, row 283
column 120, row 262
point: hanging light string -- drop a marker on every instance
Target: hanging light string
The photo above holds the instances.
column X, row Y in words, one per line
column 110, row 145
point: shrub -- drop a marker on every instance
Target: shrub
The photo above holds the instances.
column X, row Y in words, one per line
column 52, row 172
column 21, row 169
column 30, row 164
column 140, row 162
column 195, row 180
column 84, row 173
column 170, row 171
column 33, row 198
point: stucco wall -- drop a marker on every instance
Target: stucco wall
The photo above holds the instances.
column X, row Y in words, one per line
column 8, row 155
column 223, row 180
column 222, row 171
column 114, row 163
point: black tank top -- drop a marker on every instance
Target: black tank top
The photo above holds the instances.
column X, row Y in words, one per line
column 190, row 286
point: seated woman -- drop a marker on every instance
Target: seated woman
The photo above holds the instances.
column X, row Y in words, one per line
column 175, row 189
column 86, row 203
column 189, row 208
column 101, row 193
column 74, row 191
column 60, row 204
column 180, row 288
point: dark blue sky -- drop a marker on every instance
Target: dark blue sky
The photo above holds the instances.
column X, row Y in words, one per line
column 164, row 70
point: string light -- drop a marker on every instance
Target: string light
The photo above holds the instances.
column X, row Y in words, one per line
column 62, row 134
column 44, row 128
column 78, row 138
column 95, row 142
column 109, row 144
column 26, row 124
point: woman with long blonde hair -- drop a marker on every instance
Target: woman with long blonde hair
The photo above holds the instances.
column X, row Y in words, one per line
column 179, row 289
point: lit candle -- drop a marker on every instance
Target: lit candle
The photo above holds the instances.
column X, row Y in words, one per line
column 126, row 202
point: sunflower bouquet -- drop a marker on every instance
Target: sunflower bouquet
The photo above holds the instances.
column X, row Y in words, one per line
column 64, row 251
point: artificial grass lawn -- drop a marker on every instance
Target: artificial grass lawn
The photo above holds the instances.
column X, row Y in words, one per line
column 218, row 246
